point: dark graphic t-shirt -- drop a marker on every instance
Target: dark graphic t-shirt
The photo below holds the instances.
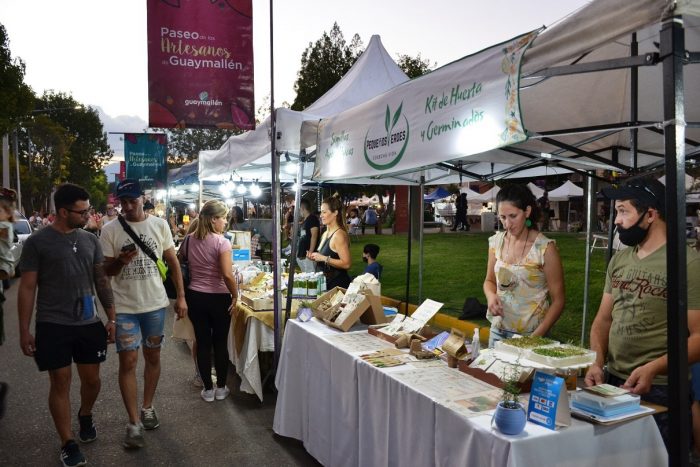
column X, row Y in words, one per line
column 639, row 289
column 304, row 243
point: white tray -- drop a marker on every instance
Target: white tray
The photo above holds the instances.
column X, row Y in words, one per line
column 525, row 361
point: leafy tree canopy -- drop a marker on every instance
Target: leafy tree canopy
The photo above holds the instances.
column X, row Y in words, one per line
column 415, row 66
column 16, row 97
column 64, row 141
column 323, row 63
column 184, row 144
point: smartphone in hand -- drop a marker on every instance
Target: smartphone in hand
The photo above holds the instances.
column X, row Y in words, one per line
column 129, row 248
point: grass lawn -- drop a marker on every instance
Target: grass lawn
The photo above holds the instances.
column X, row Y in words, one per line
column 455, row 266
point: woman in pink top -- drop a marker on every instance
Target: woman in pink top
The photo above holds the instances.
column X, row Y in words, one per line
column 211, row 295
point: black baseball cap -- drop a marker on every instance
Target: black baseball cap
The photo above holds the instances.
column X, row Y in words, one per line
column 129, row 188
column 650, row 192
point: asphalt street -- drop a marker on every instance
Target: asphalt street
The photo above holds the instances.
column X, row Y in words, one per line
column 236, row 431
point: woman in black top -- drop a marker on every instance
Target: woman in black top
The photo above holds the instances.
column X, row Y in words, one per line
column 333, row 254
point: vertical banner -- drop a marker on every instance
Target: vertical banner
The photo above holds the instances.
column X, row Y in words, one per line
column 200, row 64
column 122, row 170
column 145, row 156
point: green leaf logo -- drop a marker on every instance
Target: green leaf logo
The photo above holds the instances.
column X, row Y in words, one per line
column 387, row 119
column 396, row 115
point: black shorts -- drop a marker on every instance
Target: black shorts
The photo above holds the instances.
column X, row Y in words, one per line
column 58, row 345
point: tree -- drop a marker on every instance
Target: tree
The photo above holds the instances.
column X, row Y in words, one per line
column 63, row 142
column 184, row 144
column 16, row 97
column 414, row 66
column 323, row 63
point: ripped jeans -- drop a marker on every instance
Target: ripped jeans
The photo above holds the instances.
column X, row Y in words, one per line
column 132, row 329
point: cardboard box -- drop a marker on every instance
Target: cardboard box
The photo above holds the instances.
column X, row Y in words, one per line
column 257, row 303
column 323, row 298
column 375, row 312
column 344, row 323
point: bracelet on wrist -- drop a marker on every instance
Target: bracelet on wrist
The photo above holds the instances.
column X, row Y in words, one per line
column 112, row 321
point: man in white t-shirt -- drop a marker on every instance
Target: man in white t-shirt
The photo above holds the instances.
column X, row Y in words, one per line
column 140, row 300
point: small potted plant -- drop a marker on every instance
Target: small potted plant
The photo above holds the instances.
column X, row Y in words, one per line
column 304, row 312
column 510, row 415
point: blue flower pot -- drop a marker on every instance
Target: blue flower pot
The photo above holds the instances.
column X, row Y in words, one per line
column 510, row 421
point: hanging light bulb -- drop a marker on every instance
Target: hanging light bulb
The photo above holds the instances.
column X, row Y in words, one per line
column 229, row 201
column 194, row 187
column 191, row 205
column 225, row 190
column 255, row 190
column 241, row 189
column 295, row 187
column 291, row 168
column 160, row 194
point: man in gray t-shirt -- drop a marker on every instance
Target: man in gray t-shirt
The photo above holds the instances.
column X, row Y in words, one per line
column 64, row 263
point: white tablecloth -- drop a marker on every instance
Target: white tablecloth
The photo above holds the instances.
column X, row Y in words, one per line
column 258, row 338
column 349, row 413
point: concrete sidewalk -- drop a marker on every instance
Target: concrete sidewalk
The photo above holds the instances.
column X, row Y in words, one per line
column 237, row 431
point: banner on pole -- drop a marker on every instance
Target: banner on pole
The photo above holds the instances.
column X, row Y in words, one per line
column 145, row 155
column 466, row 107
column 200, row 64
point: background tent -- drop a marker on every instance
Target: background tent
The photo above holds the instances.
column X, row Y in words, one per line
column 437, row 194
column 536, row 191
column 564, row 192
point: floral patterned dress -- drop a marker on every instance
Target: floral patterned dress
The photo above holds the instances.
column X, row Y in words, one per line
column 522, row 288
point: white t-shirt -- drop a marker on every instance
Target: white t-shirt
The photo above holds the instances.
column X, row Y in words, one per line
column 138, row 288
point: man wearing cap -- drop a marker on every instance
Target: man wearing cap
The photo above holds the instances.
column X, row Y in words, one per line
column 630, row 328
column 140, row 301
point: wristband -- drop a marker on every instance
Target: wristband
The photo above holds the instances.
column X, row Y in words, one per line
column 112, row 321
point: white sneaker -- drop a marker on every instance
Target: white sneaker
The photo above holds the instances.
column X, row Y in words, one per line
column 222, row 393
column 207, row 395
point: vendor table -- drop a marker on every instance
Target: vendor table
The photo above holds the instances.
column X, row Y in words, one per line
column 348, row 412
column 251, row 332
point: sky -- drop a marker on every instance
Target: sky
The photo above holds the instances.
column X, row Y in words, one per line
column 96, row 49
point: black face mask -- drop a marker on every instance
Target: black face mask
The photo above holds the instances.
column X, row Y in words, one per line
column 635, row 234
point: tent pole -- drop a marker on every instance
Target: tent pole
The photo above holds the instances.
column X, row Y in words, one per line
column 408, row 255
column 634, row 102
column 295, row 235
column 201, row 194
column 611, row 228
column 587, row 268
column 673, row 50
column 420, row 240
column 274, row 197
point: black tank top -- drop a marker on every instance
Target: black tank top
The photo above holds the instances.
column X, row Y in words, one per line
column 335, row 277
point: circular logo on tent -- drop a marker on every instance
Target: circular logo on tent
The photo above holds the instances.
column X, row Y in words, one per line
column 203, row 96
column 385, row 146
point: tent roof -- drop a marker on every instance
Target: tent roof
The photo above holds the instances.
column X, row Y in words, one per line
column 564, row 192
column 537, row 191
column 566, row 109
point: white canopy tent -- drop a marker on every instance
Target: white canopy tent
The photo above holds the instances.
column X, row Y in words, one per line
column 536, row 191
column 566, row 191
column 586, row 119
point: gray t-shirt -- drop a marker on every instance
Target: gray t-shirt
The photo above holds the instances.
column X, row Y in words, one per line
column 65, row 277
